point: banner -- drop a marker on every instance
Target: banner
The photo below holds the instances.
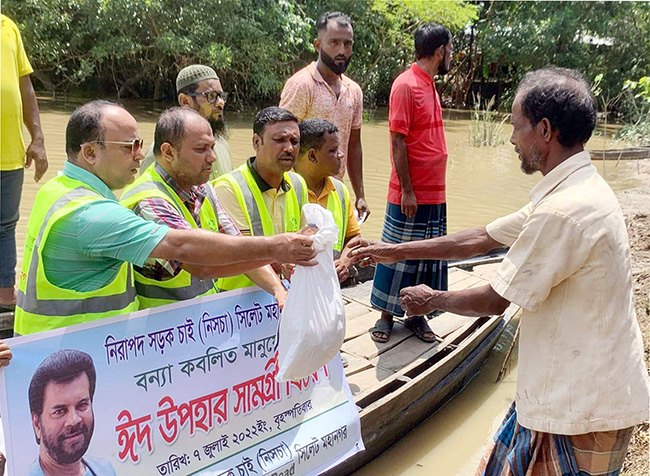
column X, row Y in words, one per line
column 184, row 389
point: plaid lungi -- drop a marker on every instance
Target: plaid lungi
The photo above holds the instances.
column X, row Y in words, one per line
column 429, row 221
column 518, row 451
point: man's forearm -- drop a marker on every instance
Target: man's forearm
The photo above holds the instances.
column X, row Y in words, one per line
column 266, row 279
column 461, row 245
column 30, row 109
column 401, row 161
column 203, row 247
column 473, row 302
column 214, row 272
column 355, row 163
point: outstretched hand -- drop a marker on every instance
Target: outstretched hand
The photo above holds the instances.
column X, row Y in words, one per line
column 417, row 300
column 294, row 248
column 367, row 251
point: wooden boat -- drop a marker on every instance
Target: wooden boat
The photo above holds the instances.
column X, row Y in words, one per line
column 630, row 153
column 397, row 385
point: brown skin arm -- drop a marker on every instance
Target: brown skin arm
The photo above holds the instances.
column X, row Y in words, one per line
column 475, row 302
column 401, row 161
column 345, row 261
column 260, row 272
column 36, row 149
column 461, row 245
column 355, row 171
column 206, row 248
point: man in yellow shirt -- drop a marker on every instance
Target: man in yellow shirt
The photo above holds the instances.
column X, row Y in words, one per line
column 18, row 105
column 318, row 162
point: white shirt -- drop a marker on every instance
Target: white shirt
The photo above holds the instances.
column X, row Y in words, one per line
column 581, row 366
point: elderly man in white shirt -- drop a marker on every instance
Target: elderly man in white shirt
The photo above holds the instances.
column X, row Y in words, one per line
column 582, row 383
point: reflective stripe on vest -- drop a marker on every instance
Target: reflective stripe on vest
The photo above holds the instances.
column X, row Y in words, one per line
column 338, row 203
column 258, row 216
column 71, row 307
column 183, row 286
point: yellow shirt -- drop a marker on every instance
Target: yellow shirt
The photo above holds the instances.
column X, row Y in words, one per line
column 581, row 366
column 14, row 65
column 353, row 226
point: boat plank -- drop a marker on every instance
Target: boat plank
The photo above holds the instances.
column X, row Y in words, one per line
column 360, row 325
column 354, row 310
column 413, row 351
column 355, row 364
column 367, row 378
column 363, row 346
column 469, row 282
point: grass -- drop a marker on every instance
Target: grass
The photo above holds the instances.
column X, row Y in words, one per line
column 486, row 130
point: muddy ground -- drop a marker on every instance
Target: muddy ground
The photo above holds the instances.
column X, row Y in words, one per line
column 636, row 207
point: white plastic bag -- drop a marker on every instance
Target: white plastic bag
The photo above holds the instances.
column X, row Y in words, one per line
column 312, row 326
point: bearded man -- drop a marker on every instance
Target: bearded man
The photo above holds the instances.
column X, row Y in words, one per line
column 61, row 403
column 199, row 88
column 321, row 91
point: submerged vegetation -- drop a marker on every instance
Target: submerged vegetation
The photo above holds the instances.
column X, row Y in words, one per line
column 486, row 126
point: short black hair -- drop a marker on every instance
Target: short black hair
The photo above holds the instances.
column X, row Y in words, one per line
column 428, row 38
column 85, row 125
column 562, row 96
column 170, row 127
column 312, row 133
column 341, row 18
column 62, row 366
column 271, row 115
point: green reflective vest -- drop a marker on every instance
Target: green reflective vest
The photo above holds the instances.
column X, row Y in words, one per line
column 338, row 203
column 151, row 292
column 42, row 305
column 257, row 215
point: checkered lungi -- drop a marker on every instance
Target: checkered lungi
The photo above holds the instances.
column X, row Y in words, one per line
column 518, row 451
column 429, row 221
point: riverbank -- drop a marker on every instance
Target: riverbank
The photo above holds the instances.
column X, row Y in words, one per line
column 636, row 208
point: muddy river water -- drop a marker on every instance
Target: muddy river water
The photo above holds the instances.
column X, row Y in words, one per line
column 482, row 184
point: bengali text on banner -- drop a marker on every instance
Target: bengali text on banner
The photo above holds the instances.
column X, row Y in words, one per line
column 182, row 389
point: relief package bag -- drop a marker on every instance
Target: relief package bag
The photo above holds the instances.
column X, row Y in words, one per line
column 312, row 326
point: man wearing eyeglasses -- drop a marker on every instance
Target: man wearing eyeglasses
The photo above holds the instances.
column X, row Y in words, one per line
column 199, row 88
column 81, row 244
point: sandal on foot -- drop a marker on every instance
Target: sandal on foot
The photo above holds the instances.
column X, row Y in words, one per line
column 382, row 326
column 418, row 325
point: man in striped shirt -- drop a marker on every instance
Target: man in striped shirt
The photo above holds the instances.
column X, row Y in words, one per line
column 183, row 146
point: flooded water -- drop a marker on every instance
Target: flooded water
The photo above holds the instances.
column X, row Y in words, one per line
column 482, row 184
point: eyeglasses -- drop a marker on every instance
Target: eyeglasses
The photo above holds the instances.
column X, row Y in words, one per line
column 211, row 96
column 136, row 144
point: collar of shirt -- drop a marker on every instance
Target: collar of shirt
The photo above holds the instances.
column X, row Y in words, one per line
column 422, row 74
column 327, row 189
column 313, row 70
column 261, row 183
column 194, row 197
column 559, row 174
column 93, row 181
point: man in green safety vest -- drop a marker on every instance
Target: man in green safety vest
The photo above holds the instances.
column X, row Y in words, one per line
column 262, row 196
column 173, row 191
column 318, row 162
column 81, row 243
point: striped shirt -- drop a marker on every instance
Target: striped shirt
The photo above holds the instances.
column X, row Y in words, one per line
column 161, row 211
column 85, row 249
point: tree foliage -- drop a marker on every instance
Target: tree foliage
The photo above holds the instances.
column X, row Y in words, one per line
column 595, row 37
column 136, row 47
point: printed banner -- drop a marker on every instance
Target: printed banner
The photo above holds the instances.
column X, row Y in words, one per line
column 185, row 389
